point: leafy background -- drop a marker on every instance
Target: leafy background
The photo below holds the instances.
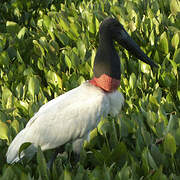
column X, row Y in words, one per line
column 48, row 47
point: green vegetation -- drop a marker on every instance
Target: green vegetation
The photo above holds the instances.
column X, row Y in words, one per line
column 48, row 47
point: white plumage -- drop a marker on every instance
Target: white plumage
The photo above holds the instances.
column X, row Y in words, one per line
column 67, row 118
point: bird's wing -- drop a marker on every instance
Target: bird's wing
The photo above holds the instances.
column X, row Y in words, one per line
column 64, row 119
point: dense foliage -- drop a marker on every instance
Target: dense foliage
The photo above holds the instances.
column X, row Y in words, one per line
column 48, row 47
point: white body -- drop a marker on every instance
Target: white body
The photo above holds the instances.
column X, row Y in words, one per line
column 67, row 118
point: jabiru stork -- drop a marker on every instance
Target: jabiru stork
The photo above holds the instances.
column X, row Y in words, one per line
column 71, row 117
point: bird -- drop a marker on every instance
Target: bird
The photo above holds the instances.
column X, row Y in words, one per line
column 70, row 117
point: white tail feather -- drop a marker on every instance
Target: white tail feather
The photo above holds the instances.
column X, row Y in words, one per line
column 13, row 150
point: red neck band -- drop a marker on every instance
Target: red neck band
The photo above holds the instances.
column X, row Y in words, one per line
column 106, row 83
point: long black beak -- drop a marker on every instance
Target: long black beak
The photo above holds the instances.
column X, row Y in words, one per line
column 128, row 43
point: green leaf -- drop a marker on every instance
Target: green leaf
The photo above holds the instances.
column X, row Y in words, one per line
column 33, row 86
column 62, row 38
column 159, row 175
column 151, row 161
column 19, row 57
column 64, row 24
column 82, row 49
column 47, row 21
column 132, row 81
column 54, row 79
column 4, row 131
column 21, row 33
column 67, row 175
column 174, row 67
column 157, row 155
column 175, row 41
column 124, row 173
column 151, row 38
column 68, row 62
column 156, row 56
column 177, row 136
column 169, row 144
column 119, row 153
column 178, row 93
column 42, row 166
column 171, row 124
column 164, row 46
column 8, row 174
column 145, row 68
column 12, row 27
column 4, row 59
column 15, row 125
column 6, row 98
column 176, row 57
column 174, row 7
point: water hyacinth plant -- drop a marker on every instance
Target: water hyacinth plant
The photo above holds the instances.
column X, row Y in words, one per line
column 48, row 47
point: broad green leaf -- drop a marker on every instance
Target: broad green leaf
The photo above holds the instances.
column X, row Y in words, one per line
column 176, row 56
column 64, row 24
column 81, row 80
column 12, row 27
column 99, row 157
column 151, row 38
column 68, row 62
column 145, row 163
column 54, row 79
column 42, row 166
column 178, row 93
column 159, row 175
column 152, row 161
column 123, row 128
column 132, row 81
column 164, row 46
column 153, row 100
column 156, row 57
column 174, row 7
column 3, row 41
column 157, row 155
column 8, row 174
column 62, row 38
column 82, row 49
column 174, row 67
column 119, row 153
column 21, row 33
column 28, row 72
column 4, row 131
column 19, row 57
column 175, row 41
column 177, row 136
column 33, row 86
column 147, row 137
column 105, row 127
column 6, row 98
column 35, row 42
column 47, row 21
column 74, row 29
column 145, row 68
column 169, row 144
column 15, row 125
column 124, row 173
column 171, row 124
column 67, row 175
column 4, row 59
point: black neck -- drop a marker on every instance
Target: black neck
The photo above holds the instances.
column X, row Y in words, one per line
column 107, row 60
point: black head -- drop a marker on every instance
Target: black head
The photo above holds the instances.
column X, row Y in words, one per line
column 107, row 60
column 110, row 27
